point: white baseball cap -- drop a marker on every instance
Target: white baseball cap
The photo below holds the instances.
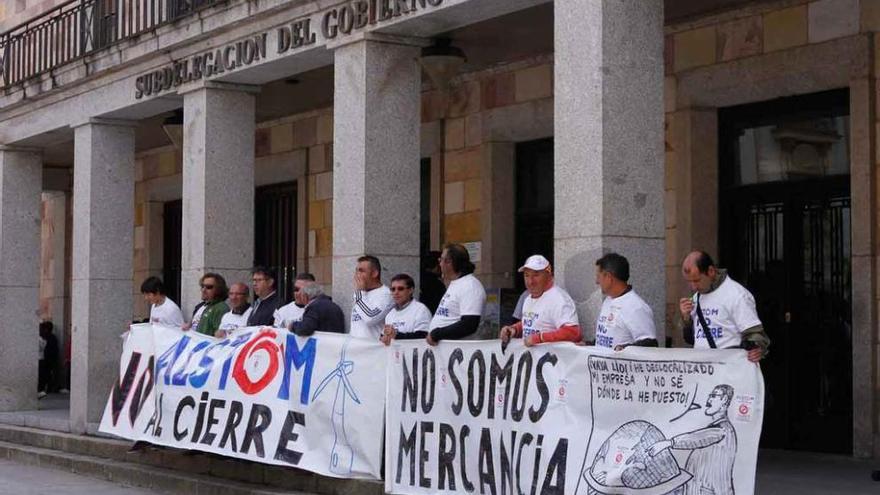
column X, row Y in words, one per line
column 535, row 262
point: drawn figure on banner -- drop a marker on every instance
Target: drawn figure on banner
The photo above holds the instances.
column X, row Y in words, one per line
column 624, row 465
column 342, row 454
column 637, row 458
column 713, row 448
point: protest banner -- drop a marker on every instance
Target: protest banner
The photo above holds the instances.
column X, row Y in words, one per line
column 263, row 394
column 554, row 419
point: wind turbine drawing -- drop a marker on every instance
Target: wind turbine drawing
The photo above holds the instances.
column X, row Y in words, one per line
column 342, row 455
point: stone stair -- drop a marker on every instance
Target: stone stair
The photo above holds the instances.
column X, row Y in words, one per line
column 166, row 470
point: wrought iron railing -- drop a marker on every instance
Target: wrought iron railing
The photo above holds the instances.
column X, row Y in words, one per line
column 80, row 27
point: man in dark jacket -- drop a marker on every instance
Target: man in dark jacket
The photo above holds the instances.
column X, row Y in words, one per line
column 431, row 286
column 321, row 313
column 267, row 301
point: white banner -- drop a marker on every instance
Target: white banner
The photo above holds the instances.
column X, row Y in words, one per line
column 554, row 419
column 264, row 395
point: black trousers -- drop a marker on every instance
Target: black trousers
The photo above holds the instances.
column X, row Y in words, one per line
column 44, row 376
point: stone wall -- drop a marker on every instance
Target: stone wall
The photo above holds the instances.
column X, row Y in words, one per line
column 296, row 148
column 15, row 12
column 465, row 136
column 55, row 226
column 154, row 170
column 482, row 116
column 309, row 136
column 759, row 53
column 722, row 42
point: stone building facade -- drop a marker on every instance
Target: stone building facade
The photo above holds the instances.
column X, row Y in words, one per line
column 609, row 86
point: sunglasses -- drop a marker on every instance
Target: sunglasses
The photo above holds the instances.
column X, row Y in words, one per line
column 207, row 286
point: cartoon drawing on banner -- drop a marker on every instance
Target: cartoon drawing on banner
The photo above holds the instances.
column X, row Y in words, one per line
column 638, row 458
column 341, row 455
column 624, row 464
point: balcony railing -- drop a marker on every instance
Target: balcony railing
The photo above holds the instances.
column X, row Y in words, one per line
column 79, row 27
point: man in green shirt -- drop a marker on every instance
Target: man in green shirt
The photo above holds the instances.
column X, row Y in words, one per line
column 207, row 315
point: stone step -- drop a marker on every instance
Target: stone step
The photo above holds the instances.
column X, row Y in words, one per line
column 214, row 467
column 132, row 474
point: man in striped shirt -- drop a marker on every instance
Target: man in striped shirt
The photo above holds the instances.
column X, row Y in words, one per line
column 372, row 300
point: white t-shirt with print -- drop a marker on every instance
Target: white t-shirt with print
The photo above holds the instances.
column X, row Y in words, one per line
column 728, row 311
column 198, row 316
column 368, row 312
column 554, row 309
column 168, row 314
column 230, row 321
column 415, row 317
column 624, row 320
column 287, row 314
column 465, row 296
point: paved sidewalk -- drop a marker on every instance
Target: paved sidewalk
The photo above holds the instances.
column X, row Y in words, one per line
column 19, row 479
column 799, row 473
column 779, row 473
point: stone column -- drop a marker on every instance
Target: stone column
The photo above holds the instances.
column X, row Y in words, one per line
column 865, row 248
column 21, row 181
column 218, row 186
column 691, row 196
column 101, row 295
column 498, row 265
column 609, row 147
column 376, row 175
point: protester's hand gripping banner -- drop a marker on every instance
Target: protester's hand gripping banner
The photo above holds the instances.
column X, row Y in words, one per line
column 263, row 394
column 554, row 419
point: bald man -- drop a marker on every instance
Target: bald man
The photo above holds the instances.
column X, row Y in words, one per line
column 239, row 310
column 721, row 313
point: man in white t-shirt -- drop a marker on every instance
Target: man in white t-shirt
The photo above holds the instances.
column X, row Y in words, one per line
column 408, row 319
column 549, row 313
column 372, row 300
column 721, row 305
column 625, row 319
column 293, row 312
column 239, row 310
column 461, row 307
column 163, row 311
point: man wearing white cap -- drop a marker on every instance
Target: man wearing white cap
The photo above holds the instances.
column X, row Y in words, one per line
column 625, row 318
column 549, row 313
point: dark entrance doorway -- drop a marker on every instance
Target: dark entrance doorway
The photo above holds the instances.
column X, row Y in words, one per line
column 274, row 237
column 533, row 224
column 784, row 229
column 275, row 233
column 172, row 240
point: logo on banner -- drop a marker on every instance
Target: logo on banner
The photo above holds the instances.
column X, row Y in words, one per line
column 562, row 390
column 745, row 407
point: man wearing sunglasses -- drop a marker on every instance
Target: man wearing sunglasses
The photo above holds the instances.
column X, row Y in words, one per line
column 207, row 315
column 408, row 319
column 713, row 448
column 293, row 311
